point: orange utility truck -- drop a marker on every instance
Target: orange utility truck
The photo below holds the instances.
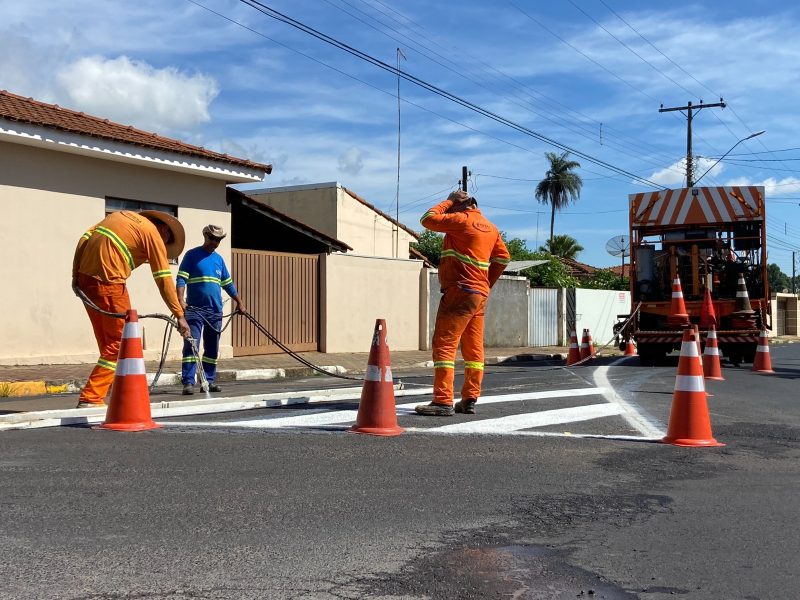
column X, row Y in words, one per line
column 710, row 238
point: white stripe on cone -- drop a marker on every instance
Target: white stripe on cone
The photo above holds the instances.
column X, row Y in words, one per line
column 131, row 330
column 689, row 383
column 130, row 366
column 711, row 351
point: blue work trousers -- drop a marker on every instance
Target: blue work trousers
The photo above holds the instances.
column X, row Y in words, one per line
column 205, row 325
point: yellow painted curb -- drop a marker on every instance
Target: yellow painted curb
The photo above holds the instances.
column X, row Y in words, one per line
column 29, row 388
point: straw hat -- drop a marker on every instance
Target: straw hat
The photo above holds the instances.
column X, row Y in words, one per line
column 175, row 247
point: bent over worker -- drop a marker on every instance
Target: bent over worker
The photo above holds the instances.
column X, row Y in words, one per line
column 104, row 259
column 473, row 258
column 201, row 276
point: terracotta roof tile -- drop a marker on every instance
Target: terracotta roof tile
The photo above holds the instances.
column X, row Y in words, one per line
column 28, row 110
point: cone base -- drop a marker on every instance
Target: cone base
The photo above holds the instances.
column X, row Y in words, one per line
column 384, row 431
column 144, row 426
column 765, row 371
column 689, row 442
column 714, row 378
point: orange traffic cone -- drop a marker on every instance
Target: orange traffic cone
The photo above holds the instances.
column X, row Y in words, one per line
column 744, row 317
column 590, row 344
column 574, row 352
column 689, row 422
column 708, row 315
column 712, row 367
column 630, row 349
column 129, row 408
column 377, row 414
column 762, row 362
column 678, row 316
column 585, row 345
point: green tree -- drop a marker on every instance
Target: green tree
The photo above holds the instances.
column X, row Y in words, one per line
column 778, row 280
column 563, row 246
column 606, row 279
column 560, row 185
column 430, row 245
column 551, row 274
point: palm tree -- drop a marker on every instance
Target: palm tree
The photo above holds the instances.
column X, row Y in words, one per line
column 563, row 246
column 560, row 185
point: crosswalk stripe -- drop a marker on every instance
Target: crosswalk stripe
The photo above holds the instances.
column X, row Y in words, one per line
column 319, row 418
column 530, row 420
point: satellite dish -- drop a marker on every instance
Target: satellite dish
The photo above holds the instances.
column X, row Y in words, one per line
column 619, row 245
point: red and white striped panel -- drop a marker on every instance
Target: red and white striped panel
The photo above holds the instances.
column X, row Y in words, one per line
column 709, row 205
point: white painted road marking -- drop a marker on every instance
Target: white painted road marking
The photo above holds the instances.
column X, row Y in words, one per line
column 319, row 418
column 531, row 420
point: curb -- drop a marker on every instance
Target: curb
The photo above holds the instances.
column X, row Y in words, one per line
column 19, row 389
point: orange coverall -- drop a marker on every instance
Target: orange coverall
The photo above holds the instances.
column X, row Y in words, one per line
column 104, row 259
column 473, row 258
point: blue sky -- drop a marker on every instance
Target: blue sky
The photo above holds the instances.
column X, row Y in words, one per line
column 590, row 74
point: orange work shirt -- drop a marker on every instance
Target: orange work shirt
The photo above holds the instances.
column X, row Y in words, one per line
column 113, row 248
column 473, row 253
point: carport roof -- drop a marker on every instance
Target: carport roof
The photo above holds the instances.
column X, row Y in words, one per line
column 235, row 195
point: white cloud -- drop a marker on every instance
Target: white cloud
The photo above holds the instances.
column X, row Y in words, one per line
column 132, row 91
column 351, row 161
column 675, row 174
column 772, row 186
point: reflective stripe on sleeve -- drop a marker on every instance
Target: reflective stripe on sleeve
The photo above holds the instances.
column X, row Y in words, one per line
column 162, row 274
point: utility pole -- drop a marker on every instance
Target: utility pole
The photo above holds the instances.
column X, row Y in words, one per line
column 464, row 174
column 689, row 108
column 794, row 288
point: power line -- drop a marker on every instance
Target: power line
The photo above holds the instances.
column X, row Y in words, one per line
column 278, row 16
column 523, row 102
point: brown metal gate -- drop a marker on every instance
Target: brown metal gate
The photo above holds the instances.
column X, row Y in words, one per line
column 281, row 291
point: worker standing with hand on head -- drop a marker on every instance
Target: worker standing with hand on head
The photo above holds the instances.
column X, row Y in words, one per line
column 472, row 260
column 104, row 259
column 201, row 277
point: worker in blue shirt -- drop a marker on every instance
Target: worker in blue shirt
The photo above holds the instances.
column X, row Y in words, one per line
column 202, row 276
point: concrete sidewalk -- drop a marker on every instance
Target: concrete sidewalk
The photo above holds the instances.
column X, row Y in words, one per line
column 37, row 380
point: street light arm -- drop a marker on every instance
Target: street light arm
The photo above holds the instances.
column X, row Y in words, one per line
column 752, row 135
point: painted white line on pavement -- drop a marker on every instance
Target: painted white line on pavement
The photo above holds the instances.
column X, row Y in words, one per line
column 347, row 416
column 634, row 418
column 530, row 420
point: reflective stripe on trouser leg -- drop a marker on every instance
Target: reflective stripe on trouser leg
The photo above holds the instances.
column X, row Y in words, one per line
column 211, row 346
column 189, row 363
column 456, row 310
column 472, row 351
column 107, row 333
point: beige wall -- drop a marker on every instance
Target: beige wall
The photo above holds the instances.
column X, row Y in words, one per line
column 357, row 290
column 368, row 232
column 336, row 213
column 315, row 207
column 47, row 200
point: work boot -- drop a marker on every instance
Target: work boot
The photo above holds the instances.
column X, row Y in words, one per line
column 213, row 387
column 84, row 404
column 188, row 389
column 435, row 410
column 466, row 406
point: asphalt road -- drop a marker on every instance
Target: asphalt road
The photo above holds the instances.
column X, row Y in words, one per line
column 235, row 506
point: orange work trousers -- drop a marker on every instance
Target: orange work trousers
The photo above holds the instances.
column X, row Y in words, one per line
column 460, row 318
column 112, row 297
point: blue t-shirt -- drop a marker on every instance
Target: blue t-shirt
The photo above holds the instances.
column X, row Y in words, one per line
column 204, row 274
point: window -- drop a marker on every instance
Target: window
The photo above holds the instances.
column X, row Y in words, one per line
column 115, row 204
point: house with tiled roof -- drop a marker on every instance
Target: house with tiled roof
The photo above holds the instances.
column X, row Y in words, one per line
column 62, row 171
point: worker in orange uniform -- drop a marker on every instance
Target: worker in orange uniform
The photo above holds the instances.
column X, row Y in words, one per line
column 473, row 258
column 104, row 259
